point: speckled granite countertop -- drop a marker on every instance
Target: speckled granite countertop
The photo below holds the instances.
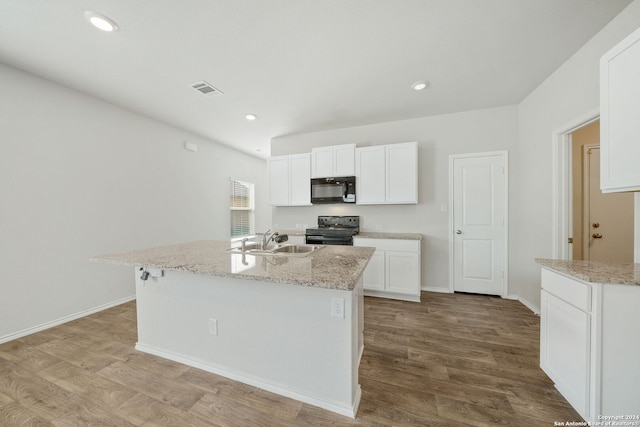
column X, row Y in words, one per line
column 620, row 273
column 332, row 267
column 380, row 235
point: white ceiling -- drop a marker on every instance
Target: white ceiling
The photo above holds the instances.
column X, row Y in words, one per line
column 300, row 65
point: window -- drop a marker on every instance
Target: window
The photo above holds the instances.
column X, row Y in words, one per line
column 241, row 206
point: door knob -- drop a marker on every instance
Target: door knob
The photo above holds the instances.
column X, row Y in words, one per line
column 596, row 236
column 595, row 225
column 458, row 231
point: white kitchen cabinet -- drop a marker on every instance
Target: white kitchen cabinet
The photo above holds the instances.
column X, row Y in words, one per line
column 374, row 275
column 619, row 112
column 333, row 161
column 565, row 326
column 290, row 180
column 589, row 341
column 387, row 174
column 402, row 173
column 370, row 175
column 279, row 180
column 394, row 269
column 403, row 272
column 299, row 179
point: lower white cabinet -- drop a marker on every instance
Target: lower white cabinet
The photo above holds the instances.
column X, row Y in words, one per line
column 393, row 270
column 374, row 275
column 589, row 342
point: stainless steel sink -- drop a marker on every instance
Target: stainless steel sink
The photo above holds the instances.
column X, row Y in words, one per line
column 296, row 249
column 254, row 248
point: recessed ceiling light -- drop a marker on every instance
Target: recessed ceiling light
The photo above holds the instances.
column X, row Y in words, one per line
column 101, row 21
column 420, row 85
column 251, row 116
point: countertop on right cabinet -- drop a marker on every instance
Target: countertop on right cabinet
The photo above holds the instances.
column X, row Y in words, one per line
column 392, row 236
column 619, row 273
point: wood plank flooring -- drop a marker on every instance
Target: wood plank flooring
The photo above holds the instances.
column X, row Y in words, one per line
column 452, row 360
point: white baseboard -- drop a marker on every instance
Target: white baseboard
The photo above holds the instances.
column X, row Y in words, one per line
column 437, row 289
column 65, row 319
column 225, row 372
column 526, row 303
column 391, row 295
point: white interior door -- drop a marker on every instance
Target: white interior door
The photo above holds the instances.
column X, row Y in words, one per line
column 608, row 217
column 479, row 218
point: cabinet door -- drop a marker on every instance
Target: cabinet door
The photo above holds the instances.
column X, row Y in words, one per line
column 279, row 180
column 370, row 175
column 403, row 272
column 300, row 179
column 374, row 275
column 322, row 162
column 344, row 160
column 619, row 112
column 402, row 173
column 565, row 341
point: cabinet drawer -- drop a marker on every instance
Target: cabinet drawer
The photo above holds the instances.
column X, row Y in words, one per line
column 401, row 245
column 572, row 291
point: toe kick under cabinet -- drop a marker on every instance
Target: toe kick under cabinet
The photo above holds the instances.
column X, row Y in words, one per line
column 589, row 345
column 394, row 269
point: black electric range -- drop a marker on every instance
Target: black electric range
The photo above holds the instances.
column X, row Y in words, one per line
column 333, row 230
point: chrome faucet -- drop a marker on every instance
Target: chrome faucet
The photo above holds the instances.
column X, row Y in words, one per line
column 265, row 240
column 244, row 244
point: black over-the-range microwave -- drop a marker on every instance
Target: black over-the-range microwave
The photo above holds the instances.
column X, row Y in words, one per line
column 333, row 190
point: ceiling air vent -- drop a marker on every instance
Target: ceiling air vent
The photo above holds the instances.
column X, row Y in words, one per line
column 206, row 89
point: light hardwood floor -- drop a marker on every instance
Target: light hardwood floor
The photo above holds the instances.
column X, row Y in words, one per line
column 452, row 360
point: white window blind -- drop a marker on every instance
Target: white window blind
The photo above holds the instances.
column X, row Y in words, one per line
column 241, row 205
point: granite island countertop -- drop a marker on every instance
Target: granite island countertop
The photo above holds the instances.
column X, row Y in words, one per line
column 331, row 267
column 620, row 273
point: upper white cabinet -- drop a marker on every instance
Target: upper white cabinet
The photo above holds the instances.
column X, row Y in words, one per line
column 290, row 180
column 619, row 113
column 331, row 161
column 387, row 174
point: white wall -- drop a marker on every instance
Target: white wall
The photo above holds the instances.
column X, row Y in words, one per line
column 80, row 177
column 568, row 94
column 438, row 137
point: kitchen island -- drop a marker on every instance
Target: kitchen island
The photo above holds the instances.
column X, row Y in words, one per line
column 291, row 325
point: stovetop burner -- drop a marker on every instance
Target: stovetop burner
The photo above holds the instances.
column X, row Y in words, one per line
column 336, row 225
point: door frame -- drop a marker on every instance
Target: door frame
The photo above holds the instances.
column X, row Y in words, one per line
column 561, row 191
column 562, row 210
column 586, row 199
column 505, row 259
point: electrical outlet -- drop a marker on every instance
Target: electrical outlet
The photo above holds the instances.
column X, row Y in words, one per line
column 213, row 326
column 298, row 226
column 378, row 227
column 337, row 308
